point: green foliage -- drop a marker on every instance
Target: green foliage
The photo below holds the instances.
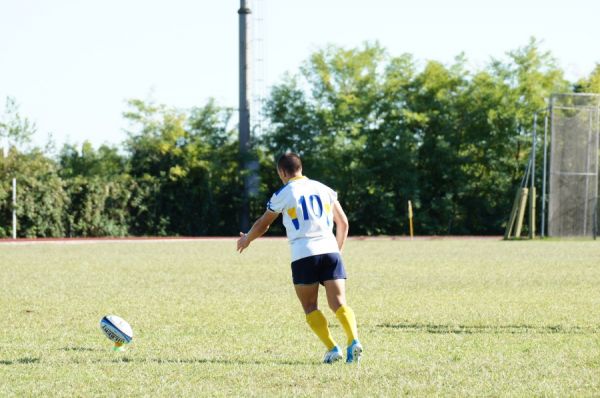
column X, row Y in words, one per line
column 16, row 129
column 380, row 129
column 106, row 162
column 591, row 84
column 98, row 207
column 382, row 132
column 40, row 191
column 341, row 127
column 187, row 169
column 99, row 189
column 41, row 196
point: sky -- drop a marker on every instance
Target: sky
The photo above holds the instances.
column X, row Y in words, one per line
column 72, row 65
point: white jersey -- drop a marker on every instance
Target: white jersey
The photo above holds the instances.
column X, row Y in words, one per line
column 307, row 209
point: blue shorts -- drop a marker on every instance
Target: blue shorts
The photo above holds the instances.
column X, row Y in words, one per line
column 318, row 269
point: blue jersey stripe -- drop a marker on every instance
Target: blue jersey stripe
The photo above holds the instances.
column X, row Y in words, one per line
column 280, row 189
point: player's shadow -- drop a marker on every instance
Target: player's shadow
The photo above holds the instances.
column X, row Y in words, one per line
column 413, row 327
column 20, row 361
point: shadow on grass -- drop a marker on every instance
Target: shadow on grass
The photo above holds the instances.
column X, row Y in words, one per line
column 20, row 361
column 80, row 349
column 197, row 361
column 230, row 361
column 488, row 329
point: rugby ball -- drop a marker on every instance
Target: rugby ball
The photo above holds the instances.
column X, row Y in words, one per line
column 116, row 329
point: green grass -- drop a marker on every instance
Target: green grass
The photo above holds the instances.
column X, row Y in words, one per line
column 440, row 317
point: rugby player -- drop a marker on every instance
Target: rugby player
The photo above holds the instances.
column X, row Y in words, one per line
column 309, row 209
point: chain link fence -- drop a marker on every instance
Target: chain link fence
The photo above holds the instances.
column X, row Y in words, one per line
column 574, row 159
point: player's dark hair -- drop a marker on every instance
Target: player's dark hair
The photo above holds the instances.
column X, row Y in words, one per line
column 290, row 163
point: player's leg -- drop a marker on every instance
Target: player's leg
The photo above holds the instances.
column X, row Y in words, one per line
column 306, row 285
column 336, row 293
column 336, row 298
column 308, row 296
column 334, row 276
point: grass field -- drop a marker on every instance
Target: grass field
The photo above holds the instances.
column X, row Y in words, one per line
column 438, row 317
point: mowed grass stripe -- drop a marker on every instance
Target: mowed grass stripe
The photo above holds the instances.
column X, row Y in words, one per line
column 450, row 317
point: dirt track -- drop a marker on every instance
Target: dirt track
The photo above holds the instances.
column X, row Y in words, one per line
column 219, row 238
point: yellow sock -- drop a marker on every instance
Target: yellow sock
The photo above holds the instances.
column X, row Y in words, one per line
column 318, row 323
column 346, row 317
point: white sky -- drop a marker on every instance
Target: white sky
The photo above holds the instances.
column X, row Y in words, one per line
column 72, row 64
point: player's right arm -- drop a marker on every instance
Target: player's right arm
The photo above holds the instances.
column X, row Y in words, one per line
column 258, row 229
column 341, row 224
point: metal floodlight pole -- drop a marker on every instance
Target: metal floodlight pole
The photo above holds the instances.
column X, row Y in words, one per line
column 244, row 110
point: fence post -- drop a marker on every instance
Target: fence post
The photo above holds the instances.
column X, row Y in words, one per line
column 14, row 210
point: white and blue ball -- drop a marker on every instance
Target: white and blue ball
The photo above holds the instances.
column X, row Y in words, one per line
column 116, row 329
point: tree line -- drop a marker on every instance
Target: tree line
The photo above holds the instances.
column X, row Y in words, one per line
column 380, row 129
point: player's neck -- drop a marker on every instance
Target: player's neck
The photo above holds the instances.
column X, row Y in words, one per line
column 293, row 178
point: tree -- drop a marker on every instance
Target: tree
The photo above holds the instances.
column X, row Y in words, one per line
column 591, row 84
column 347, row 132
column 40, row 195
column 185, row 164
column 100, row 191
column 41, row 199
column 14, row 128
column 383, row 132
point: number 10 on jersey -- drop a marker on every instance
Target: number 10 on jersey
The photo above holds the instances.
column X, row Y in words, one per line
column 316, row 207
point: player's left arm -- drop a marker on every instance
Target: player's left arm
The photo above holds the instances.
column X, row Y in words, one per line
column 341, row 224
column 258, row 229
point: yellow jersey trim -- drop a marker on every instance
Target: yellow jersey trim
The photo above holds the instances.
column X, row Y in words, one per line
column 296, row 178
